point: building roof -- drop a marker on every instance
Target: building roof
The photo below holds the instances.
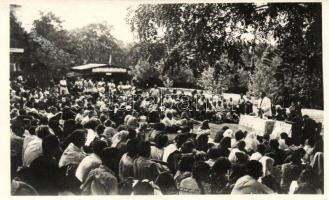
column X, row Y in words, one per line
column 88, row 66
column 94, row 66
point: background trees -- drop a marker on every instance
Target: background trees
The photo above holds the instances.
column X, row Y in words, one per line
column 273, row 47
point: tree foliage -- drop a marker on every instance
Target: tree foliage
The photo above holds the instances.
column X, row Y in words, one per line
column 147, row 75
column 200, row 35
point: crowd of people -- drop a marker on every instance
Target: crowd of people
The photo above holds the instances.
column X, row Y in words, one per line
column 88, row 137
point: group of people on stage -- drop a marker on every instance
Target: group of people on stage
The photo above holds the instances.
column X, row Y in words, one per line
column 98, row 138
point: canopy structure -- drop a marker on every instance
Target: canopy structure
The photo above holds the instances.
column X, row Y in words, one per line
column 88, row 66
column 97, row 70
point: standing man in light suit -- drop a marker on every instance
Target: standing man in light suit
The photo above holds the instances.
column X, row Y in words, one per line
column 264, row 106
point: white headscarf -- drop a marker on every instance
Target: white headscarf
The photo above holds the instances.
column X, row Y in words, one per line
column 228, row 133
column 251, row 142
column 267, row 163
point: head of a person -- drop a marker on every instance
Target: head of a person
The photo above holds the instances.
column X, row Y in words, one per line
column 32, row 130
column 166, row 183
column 161, row 140
column 241, row 145
column 213, row 153
column 100, row 129
column 144, row 149
column 110, row 157
column 307, row 176
column 310, row 142
column 262, row 94
column 202, row 141
column 169, row 115
column 131, row 133
column 266, row 138
column 180, row 139
column 17, row 127
column 132, row 122
column 186, row 163
column 143, row 188
column 42, row 131
column 50, row 145
column 205, row 125
column 187, row 146
column 97, row 146
column 221, row 166
column 78, row 137
column 92, row 123
column 261, row 149
column 254, row 169
column 274, row 144
column 132, row 147
column 296, row 158
column 201, row 171
column 283, row 135
column 225, row 143
column 239, row 135
column 43, row 120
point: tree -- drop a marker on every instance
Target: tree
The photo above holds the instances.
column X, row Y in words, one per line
column 146, row 74
column 297, row 29
column 199, row 35
column 196, row 35
column 209, row 81
column 263, row 78
column 49, row 26
column 94, row 42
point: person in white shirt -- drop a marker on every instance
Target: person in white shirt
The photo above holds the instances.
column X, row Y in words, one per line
column 63, row 86
column 91, row 161
column 112, row 87
column 264, row 106
column 168, row 120
column 155, row 93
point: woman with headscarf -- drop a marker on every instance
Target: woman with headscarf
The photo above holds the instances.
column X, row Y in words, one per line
column 199, row 182
column 224, row 146
column 251, row 143
column 157, row 150
column 74, row 153
column 185, row 166
column 119, row 141
column 102, row 180
column 249, row 184
column 166, row 183
column 169, row 122
column 46, row 177
column 306, row 183
column 267, row 178
column 204, row 128
column 290, row 171
column 317, row 166
column 238, row 152
column 219, row 134
column 32, row 146
column 219, row 178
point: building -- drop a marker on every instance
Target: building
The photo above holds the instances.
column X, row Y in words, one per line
column 98, row 71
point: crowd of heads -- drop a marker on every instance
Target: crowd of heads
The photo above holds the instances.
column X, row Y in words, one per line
column 87, row 137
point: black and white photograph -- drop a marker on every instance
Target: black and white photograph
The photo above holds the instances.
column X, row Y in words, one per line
column 165, row 98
